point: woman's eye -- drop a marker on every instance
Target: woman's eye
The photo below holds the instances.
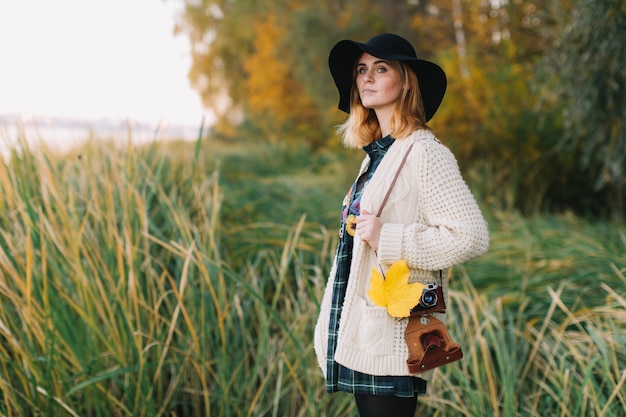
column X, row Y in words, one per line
column 363, row 70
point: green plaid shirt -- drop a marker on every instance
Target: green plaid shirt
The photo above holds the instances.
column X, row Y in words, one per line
column 338, row 377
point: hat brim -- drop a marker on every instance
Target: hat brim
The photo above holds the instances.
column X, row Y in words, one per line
column 431, row 77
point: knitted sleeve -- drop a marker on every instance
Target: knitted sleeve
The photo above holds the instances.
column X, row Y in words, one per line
column 450, row 227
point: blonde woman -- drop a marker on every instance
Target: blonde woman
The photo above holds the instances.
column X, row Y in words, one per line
column 430, row 219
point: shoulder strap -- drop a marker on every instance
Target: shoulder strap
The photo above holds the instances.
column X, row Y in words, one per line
column 393, row 181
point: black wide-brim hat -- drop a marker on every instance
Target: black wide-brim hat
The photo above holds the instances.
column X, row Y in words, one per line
column 343, row 56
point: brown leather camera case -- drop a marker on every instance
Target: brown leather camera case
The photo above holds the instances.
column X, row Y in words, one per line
column 429, row 343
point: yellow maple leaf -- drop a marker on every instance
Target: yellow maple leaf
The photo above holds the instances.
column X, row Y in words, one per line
column 394, row 291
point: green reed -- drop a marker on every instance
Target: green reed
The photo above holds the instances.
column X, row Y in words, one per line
column 184, row 279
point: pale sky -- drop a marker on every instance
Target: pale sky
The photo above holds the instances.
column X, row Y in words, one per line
column 96, row 59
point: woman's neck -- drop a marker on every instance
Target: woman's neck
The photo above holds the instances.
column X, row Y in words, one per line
column 384, row 117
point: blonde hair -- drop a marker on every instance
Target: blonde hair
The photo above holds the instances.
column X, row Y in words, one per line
column 362, row 128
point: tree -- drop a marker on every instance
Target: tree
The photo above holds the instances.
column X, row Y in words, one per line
column 265, row 61
column 263, row 65
column 590, row 89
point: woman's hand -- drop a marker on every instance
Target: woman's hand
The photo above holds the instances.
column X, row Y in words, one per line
column 368, row 227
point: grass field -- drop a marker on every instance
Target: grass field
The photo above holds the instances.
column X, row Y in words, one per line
column 184, row 279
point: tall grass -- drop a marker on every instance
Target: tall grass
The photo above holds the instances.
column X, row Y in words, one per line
column 184, row 280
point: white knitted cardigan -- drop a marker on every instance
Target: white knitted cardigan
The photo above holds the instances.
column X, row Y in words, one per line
column 431, row 220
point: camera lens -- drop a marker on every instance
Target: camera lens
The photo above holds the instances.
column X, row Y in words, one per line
column 429, row 298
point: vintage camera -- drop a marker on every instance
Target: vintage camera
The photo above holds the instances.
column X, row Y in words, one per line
column 431, row 301
column 429, row 296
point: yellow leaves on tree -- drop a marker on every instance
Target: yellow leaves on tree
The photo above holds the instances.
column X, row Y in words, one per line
column 394, row 291
column 270, row 87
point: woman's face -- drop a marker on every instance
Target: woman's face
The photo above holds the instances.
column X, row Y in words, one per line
column 378, row 82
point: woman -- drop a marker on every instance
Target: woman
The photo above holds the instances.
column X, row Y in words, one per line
column 430, row 219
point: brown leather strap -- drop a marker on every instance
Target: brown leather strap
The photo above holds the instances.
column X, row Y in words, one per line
column 393, row 181
column 382, row 205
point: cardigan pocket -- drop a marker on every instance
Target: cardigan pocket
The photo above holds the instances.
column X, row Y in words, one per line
column 373, row 333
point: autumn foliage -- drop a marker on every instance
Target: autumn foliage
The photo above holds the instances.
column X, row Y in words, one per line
column 530, row 134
